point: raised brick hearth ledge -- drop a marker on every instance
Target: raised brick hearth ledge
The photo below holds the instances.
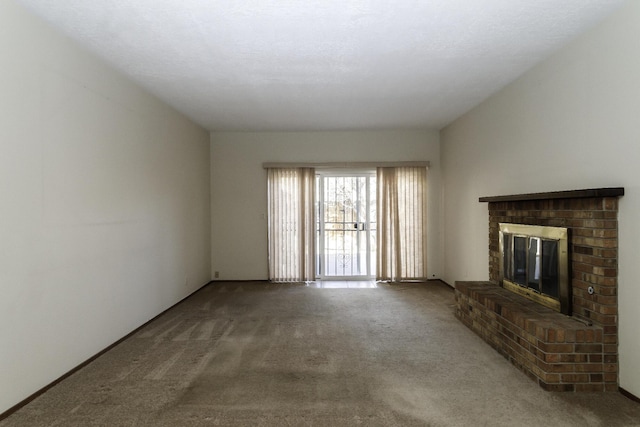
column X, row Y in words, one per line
column 559, row 352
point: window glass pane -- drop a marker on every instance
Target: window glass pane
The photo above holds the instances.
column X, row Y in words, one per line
column 344, row 247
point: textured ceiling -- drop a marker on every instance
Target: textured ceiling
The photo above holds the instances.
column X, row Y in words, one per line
column 322, row 64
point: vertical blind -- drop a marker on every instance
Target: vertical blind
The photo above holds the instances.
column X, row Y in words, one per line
column 291, row 194
column 402, row 223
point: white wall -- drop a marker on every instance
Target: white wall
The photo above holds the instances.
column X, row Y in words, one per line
column 570, row 123
column 104, row 206
column 239, row 186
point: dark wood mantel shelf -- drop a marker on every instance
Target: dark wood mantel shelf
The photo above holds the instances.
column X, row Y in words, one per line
column 572, row 194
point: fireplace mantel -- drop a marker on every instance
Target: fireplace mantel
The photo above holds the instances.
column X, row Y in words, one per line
column 552, row 195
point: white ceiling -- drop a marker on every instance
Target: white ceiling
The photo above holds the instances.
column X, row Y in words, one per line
column 323, row 64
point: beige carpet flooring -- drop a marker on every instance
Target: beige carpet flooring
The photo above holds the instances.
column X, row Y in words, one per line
column 257, row 354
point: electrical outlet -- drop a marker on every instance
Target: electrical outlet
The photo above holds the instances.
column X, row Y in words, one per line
column 216, row 275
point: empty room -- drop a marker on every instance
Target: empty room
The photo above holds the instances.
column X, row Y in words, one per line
column 319, row 213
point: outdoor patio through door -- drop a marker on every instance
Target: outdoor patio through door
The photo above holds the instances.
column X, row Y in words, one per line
column 346, row 225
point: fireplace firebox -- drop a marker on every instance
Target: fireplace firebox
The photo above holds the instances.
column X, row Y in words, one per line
column 534, row 262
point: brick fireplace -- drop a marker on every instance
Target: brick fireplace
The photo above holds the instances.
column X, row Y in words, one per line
column 578, row 352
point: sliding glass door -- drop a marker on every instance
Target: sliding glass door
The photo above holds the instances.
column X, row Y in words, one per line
column 346, row 225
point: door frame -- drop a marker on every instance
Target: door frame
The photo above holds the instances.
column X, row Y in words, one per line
column 320, row 223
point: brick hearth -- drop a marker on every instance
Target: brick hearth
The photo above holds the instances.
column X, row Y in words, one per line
column 562, row 353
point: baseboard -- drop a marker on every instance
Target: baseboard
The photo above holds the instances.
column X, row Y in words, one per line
column 441, row 281
column 24, row 402
column 628, row 395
